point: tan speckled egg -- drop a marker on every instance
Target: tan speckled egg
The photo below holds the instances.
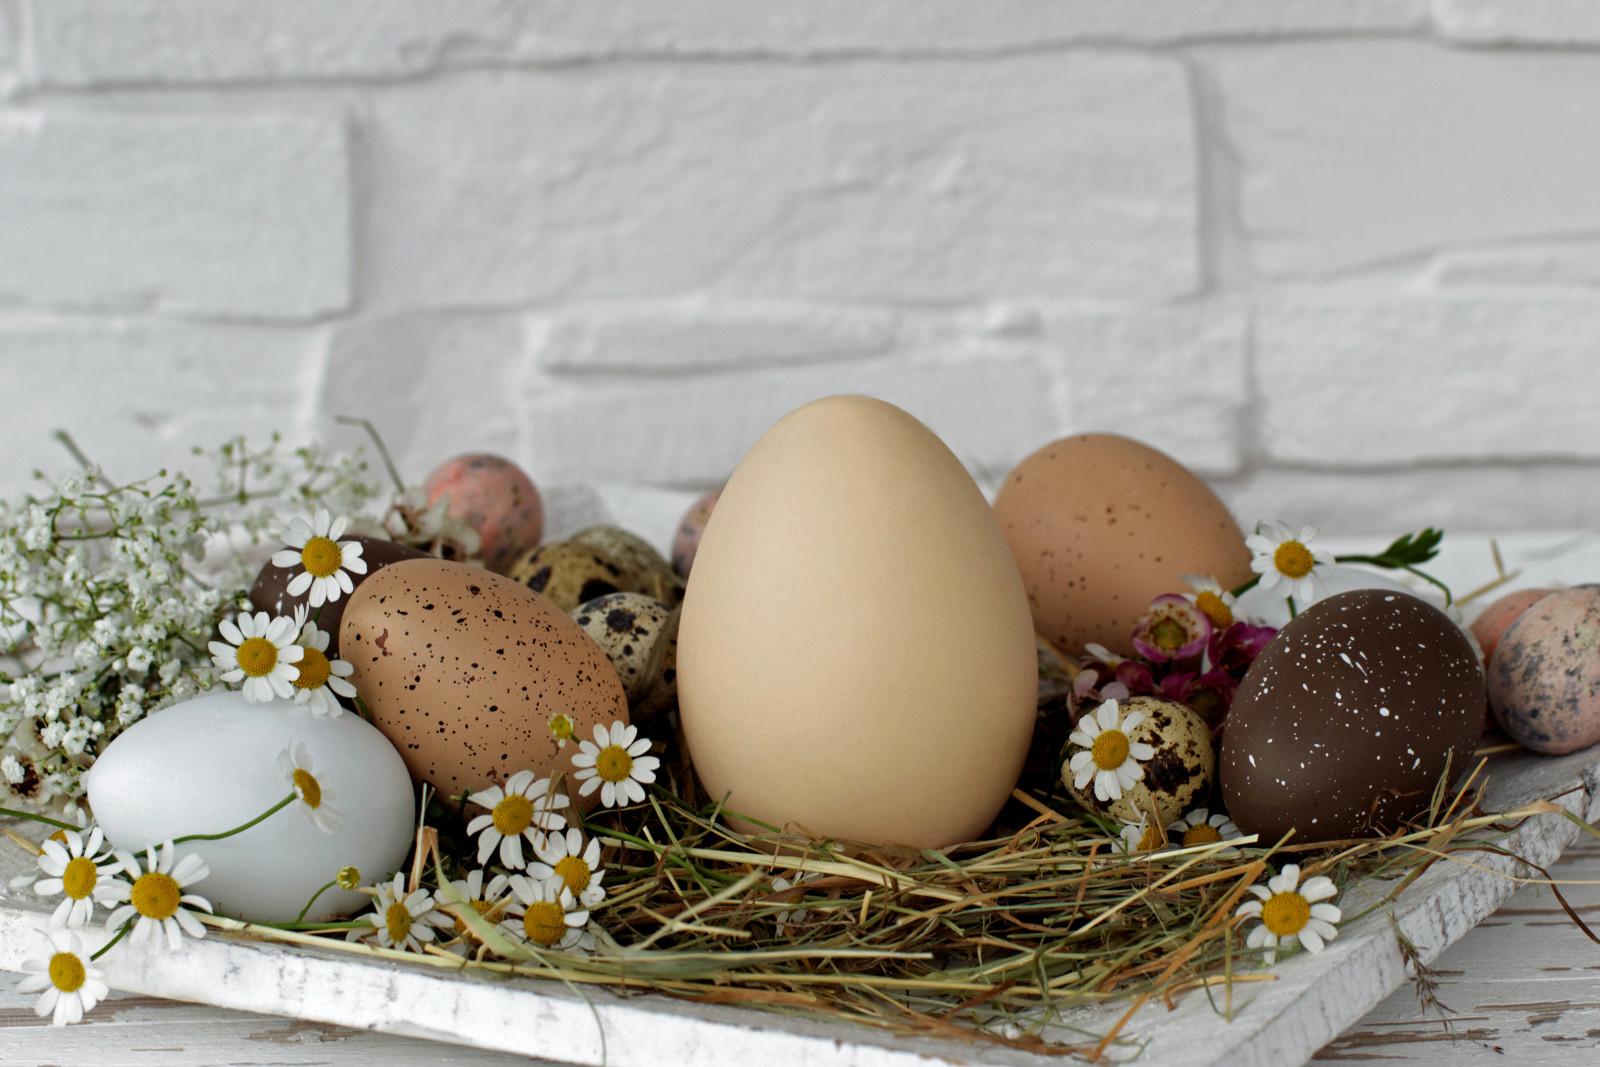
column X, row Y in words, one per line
column 463, row 671
column 1177, row 777
column 568, row 573
column 627, row 626
column 643, row 568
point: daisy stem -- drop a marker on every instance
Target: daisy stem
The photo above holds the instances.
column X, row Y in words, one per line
column 361, row 706
column 1379, row 561
column 301, row 917
column 107, row 946
column 383, row 453
column 279, row 806
column 354, row 924
column 1246, row 587
column 40, row 818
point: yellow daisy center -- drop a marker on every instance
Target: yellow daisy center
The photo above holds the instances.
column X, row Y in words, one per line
column 314, row 670
column 1151, row 839
column 59, row 835
column 397, row 920
column 66, row 972
column 1170, row 634
column 310, row 790
column 1286, row 914
column 156, row 896
column 574, row 872
column 348, row 877
column 544, row 922
column 1215, row 609
column 1204, row 834
column 1292, row 559
column 1110, row 750
column 561, row 727
column 257, row 657
column 482, row 908
column 322, row 557
column 613, row 764
column 80, row 877
column 513, row 815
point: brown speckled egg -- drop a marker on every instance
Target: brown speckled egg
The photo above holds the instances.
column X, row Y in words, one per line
column 1345, row 723
column 1544, row 678
column 494, row 497
column 686, row 542
column 1100, row 525
column 628, row 626
column 643, row 569
column 569, row 574
column 271, row 591
column 1495, row 620
column 1178, row 776
column 463, row 671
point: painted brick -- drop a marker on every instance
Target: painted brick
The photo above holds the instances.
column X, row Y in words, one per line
column 97, row 42
column 1518, row 21
column 1393, row 381
column 991, row 403
column 916, row 182
column 697, row 334
column 1353, row 153
column 433, row 386
column 138, row 395
column 1174, row 378
column 238, row 215
column 1552, row 266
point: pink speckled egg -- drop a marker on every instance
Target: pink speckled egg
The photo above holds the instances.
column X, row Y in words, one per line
column 686, row 542
column 1491, row 626
column 466, row 671
column 494, row 497
column 1544, row 678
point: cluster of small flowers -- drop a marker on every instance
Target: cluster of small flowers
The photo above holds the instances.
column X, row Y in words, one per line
column 103, row 617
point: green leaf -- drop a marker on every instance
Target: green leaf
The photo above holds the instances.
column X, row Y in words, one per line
column 1412, row 549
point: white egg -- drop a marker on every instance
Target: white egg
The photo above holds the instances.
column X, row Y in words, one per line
column 1269, row 607
column 212, row 763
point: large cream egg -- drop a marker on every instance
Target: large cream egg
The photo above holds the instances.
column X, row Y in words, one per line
column 855, row 654
column 213, row 763
column 1101, row 525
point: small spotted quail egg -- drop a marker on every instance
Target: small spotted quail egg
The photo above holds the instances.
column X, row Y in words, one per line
column 568, row 573
column 629, row 626
column 643, row 569
column 1178, row 775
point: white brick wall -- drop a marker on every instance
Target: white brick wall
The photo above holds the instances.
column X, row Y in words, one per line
column 1341, row 256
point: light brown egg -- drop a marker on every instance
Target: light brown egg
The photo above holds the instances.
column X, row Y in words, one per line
column 464, row 670
column 1179, row 776
column 825, row 683
column 1101, row 525
column 568, row 573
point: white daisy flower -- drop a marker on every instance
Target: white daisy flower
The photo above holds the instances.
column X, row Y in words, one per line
column 562, row 728
column 1141, row 836
column 521, row 809
column 1288, row 913
column 313, row 794
column 72, row 985
column 1214, row 601
column 485, row 900
column 320, row 677
column 1108, row 756
column 563, row 856
column 156, row 897
column 400, row 920
column 616, row 764
column 1200, row 827
column 76, row 867
column 261, row 653
column 23, row 881
column 1281, row 556
column 328, row 562
column 548, row 916
column 795, row 916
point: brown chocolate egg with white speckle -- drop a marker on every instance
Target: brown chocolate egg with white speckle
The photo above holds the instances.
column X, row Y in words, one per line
column 270, row 593
column 568, row 573
column 1345, row 723
column 1544, row 676
column 464, row 671
column 686, row 541
column 643, row 569
column 1178, row 774
column 628, row 626
column 493, row 496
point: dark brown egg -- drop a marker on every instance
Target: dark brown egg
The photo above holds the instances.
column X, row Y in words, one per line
column 1344, row 725
column 466, row 672
column 271, row 591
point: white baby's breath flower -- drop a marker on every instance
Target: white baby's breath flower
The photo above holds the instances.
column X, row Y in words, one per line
column 616, row 764
column 1283, row 556
column 155, row 899
column 524, row 808
column 71, row 984
column 328, row 562
column 260, row 651
column 564, row 856
column 295, row 763
column 1108, row 756
column 1290, row 912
